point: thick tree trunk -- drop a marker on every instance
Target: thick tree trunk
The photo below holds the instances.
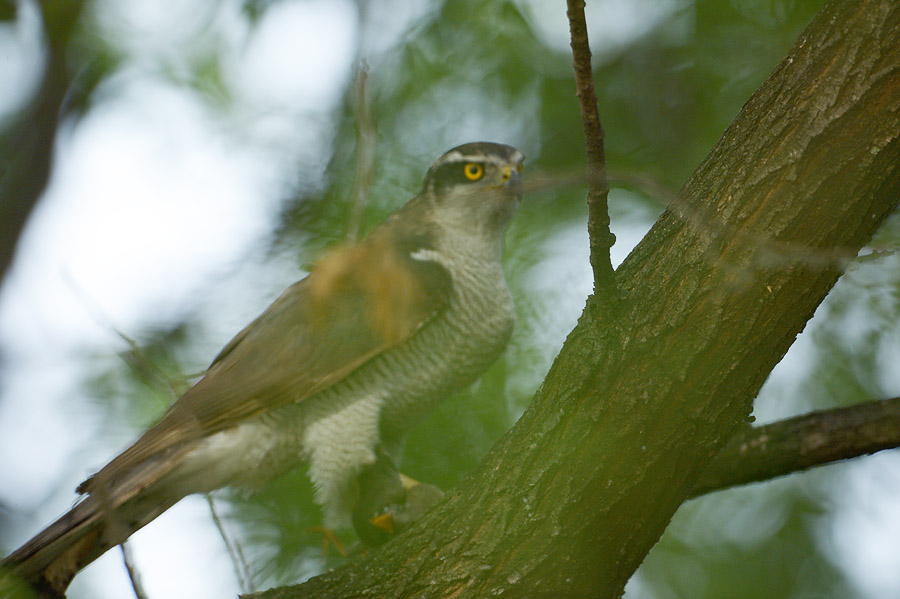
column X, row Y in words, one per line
column 637, row 404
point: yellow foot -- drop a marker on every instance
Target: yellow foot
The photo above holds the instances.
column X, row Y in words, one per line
column 328, row 539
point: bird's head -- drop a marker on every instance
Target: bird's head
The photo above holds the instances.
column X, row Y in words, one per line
column 475, row 187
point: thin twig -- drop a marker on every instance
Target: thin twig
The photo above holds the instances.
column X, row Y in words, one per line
column 601, row 239
column 238, row 561
column 146, row 364
column 766, row 452
column 365, row 154
column 133, row 575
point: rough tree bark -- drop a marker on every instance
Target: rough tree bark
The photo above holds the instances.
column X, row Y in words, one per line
column 638, row 402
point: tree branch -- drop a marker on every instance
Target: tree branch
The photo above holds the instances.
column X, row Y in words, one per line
column 27, row 147
column 133, row 574
column 365, row 153
column 601, row 239
column 765, row 452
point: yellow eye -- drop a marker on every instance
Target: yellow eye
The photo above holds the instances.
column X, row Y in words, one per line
column 473, row 171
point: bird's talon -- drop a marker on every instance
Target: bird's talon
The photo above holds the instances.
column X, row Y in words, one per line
column 328, row 539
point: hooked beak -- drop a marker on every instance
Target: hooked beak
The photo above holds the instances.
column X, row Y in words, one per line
column 512, row 180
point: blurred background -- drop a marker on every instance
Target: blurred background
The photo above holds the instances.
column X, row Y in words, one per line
column 206, row 154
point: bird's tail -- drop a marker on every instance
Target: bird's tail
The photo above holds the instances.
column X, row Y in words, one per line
column 102, row 519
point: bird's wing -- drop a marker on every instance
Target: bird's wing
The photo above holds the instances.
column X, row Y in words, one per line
column 355, row 304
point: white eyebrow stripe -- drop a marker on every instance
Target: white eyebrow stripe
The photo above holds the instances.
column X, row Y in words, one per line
column 499, row 161
column 460, row 157
column 452, row 157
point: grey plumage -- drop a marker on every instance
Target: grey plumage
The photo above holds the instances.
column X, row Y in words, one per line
column 335, row 371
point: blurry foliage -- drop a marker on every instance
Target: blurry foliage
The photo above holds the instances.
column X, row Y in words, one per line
column 254, row 9
column 476, row 69
column 8, row 10
column 727, row 545
column 151, row 380
column 859, row 340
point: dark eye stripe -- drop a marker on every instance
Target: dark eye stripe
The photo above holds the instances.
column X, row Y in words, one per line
column 452, row 173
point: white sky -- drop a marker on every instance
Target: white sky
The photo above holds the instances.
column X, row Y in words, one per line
column 152, row 163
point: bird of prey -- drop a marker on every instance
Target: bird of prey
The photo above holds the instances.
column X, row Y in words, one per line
column 332, row 374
